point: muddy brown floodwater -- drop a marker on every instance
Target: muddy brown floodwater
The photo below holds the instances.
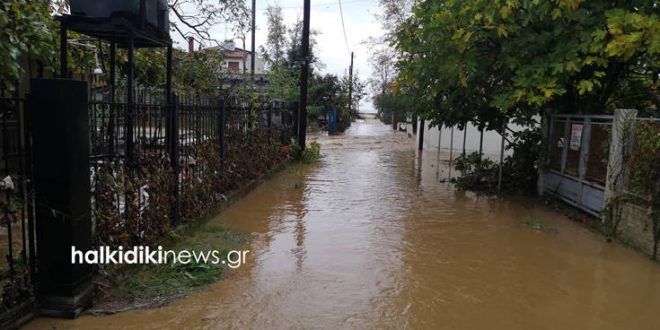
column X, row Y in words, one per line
column 370, row 238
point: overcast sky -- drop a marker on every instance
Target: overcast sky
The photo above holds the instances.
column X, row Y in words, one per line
column 325, row 17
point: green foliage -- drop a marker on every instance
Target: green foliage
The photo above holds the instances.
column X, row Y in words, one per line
column 635, row 177
column 401, row 103
column 645, row 173
column 314, row 111
column 283, row 53
column 645, row 169
column 472, row 162
column 477, row 173
column 27, row 33
column 276, row 41
column 488, row 61
column 309, row 155
column 284, row 84
column 198, row 72
column 150, row 64
column 520, row 170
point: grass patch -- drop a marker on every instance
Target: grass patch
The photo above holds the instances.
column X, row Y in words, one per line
column 145, row 284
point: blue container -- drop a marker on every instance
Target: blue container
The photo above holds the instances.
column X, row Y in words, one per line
column 332, row 121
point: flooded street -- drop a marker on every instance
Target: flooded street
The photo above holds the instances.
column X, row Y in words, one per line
column 370, row 237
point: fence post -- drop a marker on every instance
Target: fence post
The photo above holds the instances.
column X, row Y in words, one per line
column 464, row 137
column 221, row 127
column 619, row 155
column 584, row 156
column 501, row 167
column 130, row 106
column 60, row 134
column 29, row 191
column 113, row 106
column 420, row 134
column 296, row 110
column 173, row 130
column 439, row 139
column 546, row 137
column 451, row 148
column 270, row 123
column 172, row 138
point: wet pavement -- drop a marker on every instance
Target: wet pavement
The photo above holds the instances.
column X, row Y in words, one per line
column 371, row 238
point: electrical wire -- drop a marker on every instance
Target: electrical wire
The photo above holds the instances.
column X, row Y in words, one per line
column 343, row 27
column 322, row 4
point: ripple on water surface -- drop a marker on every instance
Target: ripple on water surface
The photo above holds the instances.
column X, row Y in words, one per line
column 371, row 238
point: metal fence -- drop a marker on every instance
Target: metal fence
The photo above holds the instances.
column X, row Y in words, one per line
column 163, row 163
column 154, row 164
column 578, row 153
column 580, row 162
column 17, row 239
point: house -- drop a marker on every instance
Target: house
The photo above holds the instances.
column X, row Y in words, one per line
column 238, row 60
column 236, row 66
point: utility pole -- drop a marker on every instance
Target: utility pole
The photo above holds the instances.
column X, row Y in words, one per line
column 254, row 27
column 350, row 85
column 302, row 110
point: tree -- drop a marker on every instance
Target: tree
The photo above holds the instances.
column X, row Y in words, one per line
column 392, row 15
column 294, row 56
column 196, row 18
column 283, row 81
column 383, row 56
column 359, row 89
column 488, row 61
column 276, row 42
column 383, row 74
column 283, row 51
column 27, row 34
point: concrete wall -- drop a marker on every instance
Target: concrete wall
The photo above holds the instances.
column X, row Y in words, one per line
column 636, row 228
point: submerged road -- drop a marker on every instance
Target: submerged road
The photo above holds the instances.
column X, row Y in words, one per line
column 370, row 238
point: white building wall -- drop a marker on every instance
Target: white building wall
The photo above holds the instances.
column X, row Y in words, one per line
column 259, row 65
column 492, row 140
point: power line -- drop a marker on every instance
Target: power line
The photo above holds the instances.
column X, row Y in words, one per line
column 324, row 4
column 343, row 27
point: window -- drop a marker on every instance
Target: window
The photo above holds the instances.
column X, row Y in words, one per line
column 233, row 66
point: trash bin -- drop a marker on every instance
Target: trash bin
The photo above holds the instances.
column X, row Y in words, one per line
column 332, row 121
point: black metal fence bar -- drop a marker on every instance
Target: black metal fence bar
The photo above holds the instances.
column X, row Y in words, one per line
column 17, row 247
column 196, row 134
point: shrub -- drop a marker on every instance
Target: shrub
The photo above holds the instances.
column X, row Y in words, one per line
column 520, row 171
column 309, row 155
